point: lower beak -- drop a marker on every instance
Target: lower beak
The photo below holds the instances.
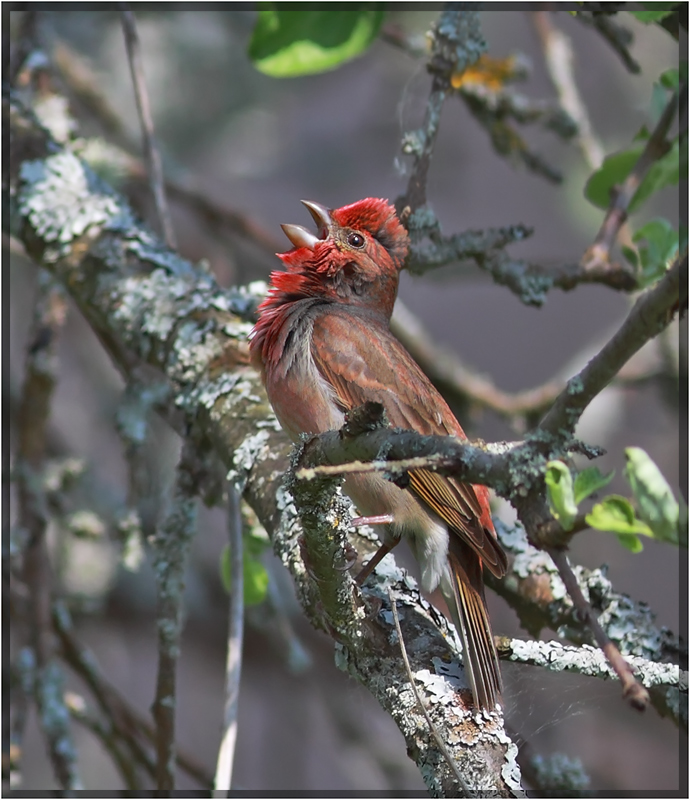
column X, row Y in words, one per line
column 299, row 236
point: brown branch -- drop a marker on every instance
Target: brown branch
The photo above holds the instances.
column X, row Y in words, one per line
column 598, row 254
column 153, row 159
column 633, row 691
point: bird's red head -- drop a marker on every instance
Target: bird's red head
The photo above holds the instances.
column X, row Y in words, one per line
column 355, row 257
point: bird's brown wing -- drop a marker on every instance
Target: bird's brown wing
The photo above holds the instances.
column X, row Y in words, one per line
column 343, row 353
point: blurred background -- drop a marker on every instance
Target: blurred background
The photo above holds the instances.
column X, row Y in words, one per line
column 258, row 145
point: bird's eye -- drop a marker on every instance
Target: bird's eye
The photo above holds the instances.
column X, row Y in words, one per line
column 355, row 240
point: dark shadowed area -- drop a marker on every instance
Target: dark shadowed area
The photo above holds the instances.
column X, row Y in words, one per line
column 258, row 145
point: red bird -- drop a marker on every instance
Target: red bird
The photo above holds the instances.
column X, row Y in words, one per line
column 324, row 346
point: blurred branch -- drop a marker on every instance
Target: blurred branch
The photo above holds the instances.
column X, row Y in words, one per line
column 460, row 383
column 170, row 551
column 598, row 254
column 127, row 722
column 633, row 691
column 595, row 16
column 32, row 519
column 153, row 159
column 558, row 56
column 233, row 667
column 104, row 732
column 27, row 42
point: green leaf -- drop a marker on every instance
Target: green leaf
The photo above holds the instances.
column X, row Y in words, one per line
column 670, row 79
column 663, row 172
column 589, row 481
column 254, row 575
column 559, row 486
column 654, row 12
column 658, row 104
column 630, row 256
column 614, row 170
column 630, row 542
column 657, row 505
column 661, row 248
column 292, row 39
column 617, row 515
column 255, row 582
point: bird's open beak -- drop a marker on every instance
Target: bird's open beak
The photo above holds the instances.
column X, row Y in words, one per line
column 300, row 236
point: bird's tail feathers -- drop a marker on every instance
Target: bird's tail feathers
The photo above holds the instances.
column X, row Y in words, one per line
column 467, row 607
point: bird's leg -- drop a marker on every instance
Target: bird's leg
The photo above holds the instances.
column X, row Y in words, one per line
column 386, row 547
column 380, row 519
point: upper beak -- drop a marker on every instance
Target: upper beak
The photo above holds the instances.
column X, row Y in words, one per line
column 300, row 236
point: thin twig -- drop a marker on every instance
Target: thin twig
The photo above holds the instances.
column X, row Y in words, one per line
column 153, row 159
column 618, row 37
column 633, row 692
column 434, row 730
column 233, row 667
column 655, row 148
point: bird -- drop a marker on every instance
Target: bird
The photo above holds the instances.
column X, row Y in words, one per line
column 323, row 346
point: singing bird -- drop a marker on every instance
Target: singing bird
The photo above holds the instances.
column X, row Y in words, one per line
column 323, row 346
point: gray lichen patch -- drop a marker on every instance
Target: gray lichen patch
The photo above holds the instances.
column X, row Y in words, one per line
column 61, row 198
column 245, row 456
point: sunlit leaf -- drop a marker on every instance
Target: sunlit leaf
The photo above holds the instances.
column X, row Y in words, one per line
column 616, row 515
column 654, row 12
column 589, row 481
column 657, row 505
column 663, row 172
column 613, row 171
column 559, row 486
column 292, row 39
